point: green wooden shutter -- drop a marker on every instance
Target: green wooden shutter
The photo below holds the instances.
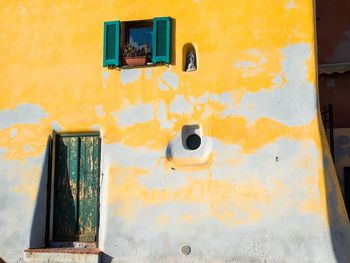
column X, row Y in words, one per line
column 111, row 44
column 161, row 40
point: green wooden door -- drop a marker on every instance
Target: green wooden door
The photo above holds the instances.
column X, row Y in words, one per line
column 77, row 160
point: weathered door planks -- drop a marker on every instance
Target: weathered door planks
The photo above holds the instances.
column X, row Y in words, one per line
column 76, row 187
column 88, row 187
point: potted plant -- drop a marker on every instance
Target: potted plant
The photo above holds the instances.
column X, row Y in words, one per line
column 135, row 55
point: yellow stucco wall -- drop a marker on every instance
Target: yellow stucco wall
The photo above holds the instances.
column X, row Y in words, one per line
column 254, row 96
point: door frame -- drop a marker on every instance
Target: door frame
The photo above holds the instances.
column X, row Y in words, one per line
column 51, row 184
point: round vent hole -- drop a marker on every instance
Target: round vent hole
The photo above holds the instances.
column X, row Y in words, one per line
column 186, row 250
column 193, row 141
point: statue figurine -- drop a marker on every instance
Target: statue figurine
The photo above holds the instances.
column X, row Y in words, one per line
column 190, row 65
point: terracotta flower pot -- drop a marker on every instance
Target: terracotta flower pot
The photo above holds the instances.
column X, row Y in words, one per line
column 134, row 61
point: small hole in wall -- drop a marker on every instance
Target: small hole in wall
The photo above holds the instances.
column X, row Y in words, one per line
column 186, row 250
column 193, row 141
column 189, row 58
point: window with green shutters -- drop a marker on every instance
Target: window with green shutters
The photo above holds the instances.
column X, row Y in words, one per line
column 117, row 34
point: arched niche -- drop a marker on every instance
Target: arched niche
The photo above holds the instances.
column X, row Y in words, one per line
column 187, row 51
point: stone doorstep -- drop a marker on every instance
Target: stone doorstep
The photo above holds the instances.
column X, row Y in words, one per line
column 72, row 250
column 56, row 244
column 64, row 255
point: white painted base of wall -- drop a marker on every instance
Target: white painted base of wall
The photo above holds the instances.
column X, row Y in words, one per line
column 40, row 257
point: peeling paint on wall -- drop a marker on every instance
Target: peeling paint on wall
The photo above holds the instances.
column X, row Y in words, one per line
column 290, row 5
column 56, row 126
column 283, row 104
column 26, row 113
column 171, row 79
column 99, row 111
column 180, row 105
column 261, row 163
column 131, row 75
column 133, row 114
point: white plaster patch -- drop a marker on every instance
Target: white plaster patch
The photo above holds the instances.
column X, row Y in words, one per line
column 105, row 76
column 95, row 127
column 171, row 79
column 162, row 116
column 104, row 193
column 13, row 133
column 27, row 148
column 290, row 5
column 99, row 111
column 223, row 98
column 204, row 98
column 56, row 126
column 245, row 64
column 278, row 81
column 134, row 114
column 180, row 105
column 123, row 155
column 294, row 104
column 161, row 85
column 161, row 179
column 250, row 68
column 18, row 207
column 27, row 113
column 148, row 72
column 263, row 239
column 208, row 111
column 129, row 75
column 214, row 97
column 251, row 167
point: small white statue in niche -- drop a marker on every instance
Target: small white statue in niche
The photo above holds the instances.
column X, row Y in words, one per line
column 191, row 62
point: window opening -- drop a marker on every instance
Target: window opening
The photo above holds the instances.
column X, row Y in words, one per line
column 137, row 44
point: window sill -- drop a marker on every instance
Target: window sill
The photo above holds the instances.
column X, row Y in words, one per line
column 137, row 67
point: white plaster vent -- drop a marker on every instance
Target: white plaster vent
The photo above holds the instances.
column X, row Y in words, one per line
column 190, row 146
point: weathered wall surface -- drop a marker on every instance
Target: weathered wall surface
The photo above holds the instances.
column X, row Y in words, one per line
column 261, row 188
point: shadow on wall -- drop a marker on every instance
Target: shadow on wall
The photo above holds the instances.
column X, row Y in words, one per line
column 39, row 221
column 105, row 258
column 173, row 42
column 337, row 216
